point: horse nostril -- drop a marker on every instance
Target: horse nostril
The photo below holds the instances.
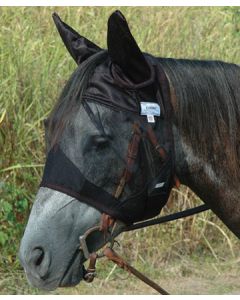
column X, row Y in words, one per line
column 40, row 261
column 38, row 256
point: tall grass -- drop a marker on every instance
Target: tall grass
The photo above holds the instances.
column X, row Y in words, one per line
column 34, row 66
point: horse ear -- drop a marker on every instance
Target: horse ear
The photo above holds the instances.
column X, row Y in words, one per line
column 124, row 50
column 78, row 46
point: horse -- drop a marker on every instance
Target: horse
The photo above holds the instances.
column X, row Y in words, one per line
column 127, row 127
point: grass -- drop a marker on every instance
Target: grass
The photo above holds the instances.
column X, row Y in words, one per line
column 191, row 275
column 34, row 65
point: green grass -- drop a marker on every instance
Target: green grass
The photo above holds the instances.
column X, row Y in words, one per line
column 34, row 65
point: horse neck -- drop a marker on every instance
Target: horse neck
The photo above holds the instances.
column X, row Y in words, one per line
column 212, row 185
column 216, row 189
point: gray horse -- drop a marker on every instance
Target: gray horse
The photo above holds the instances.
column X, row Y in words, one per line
column 205, row 98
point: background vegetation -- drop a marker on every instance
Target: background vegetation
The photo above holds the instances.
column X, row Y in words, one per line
column 34, row 66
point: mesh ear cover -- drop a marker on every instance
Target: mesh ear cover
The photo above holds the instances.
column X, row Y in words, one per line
column 124, row 51
column 78, row 46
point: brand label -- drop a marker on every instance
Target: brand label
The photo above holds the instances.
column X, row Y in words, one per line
column 150, row 109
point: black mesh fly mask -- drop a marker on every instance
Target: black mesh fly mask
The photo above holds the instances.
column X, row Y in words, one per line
column 142, row 154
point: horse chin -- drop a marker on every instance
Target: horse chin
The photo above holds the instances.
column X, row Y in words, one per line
column 49, row 285
column 72, row 277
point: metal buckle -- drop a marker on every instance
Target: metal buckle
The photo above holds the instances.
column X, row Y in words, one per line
column 90, row 273
column 83, row 243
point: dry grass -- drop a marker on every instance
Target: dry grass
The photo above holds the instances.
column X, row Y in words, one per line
column 190, row 275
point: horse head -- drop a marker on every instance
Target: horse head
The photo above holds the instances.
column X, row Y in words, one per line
column 103, row 154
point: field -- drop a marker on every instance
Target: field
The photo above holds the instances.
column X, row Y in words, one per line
column 198, row 255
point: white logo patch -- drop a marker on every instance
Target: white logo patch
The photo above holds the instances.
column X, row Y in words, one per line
column 150, row 109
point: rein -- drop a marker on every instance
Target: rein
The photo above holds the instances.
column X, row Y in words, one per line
column 168, row 218
column 106, row 223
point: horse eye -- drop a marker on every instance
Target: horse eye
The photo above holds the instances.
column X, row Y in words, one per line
column 100, row 141
column 96, row 142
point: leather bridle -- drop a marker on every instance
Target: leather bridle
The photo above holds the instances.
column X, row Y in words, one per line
column 132, row 153
column 111, row 227
column 108, row 225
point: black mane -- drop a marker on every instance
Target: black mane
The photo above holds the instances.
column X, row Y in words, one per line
column 208, row 106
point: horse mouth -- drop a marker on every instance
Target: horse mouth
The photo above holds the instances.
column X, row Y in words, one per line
column 72, row 275
column 74, row 272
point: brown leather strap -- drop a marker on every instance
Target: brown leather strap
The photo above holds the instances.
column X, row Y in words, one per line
column 105, row 223
column 131, row 158
column 176, row 181
column 153, row 139
column 113, row 256
column 91, row 270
